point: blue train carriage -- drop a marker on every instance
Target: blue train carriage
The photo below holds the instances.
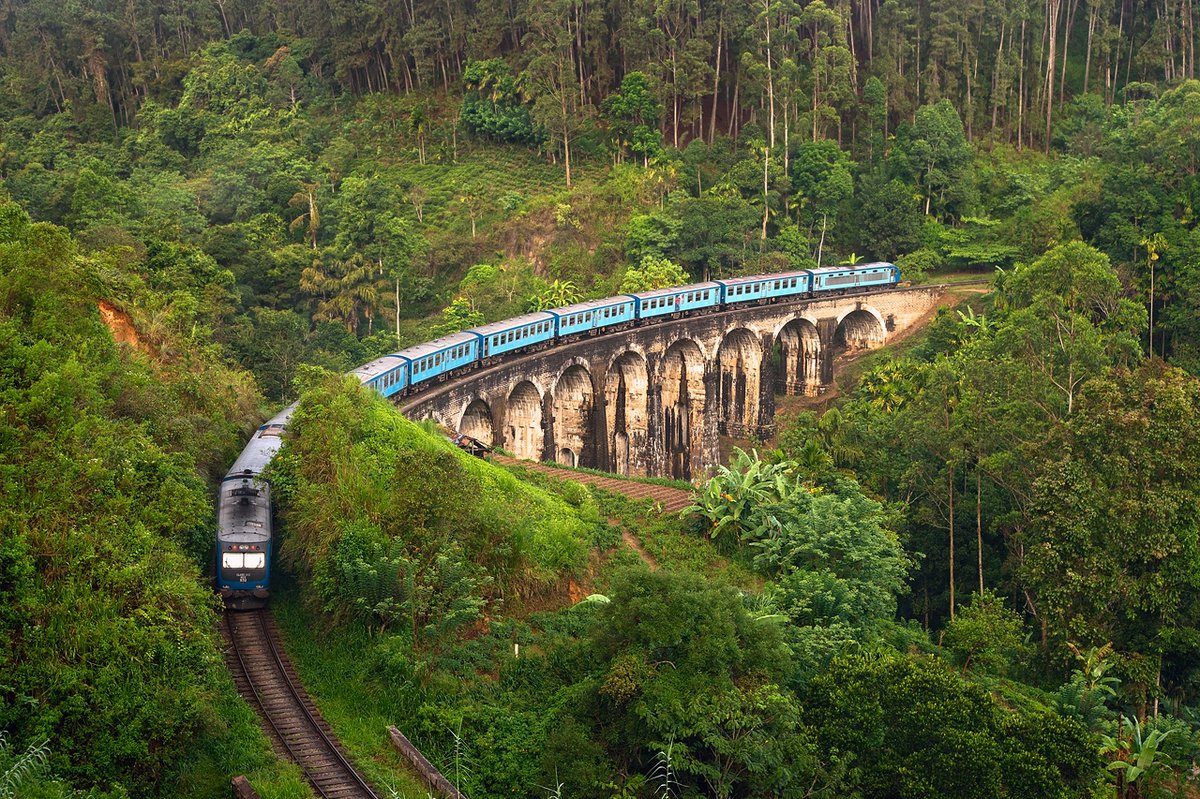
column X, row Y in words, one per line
column 498, row 338
column 387, row 375
column 846, row 278
column 594, row 315
column 435, row 360
column 244, row 543
column 665, row 302
column 765, row 288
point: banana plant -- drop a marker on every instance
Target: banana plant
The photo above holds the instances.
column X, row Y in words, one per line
column 739, row 497
column 1136, row 757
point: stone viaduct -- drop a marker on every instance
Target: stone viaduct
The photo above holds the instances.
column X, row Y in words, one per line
column 653, row 400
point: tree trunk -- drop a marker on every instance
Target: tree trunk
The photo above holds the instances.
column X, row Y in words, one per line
column 770, row 77
column 1052, row 9
column 1021, row 92
column 1062, row 80
column 979, row 521
column 766, row 206
column 712, row 122
column 996, row 78
column 950, row 486
column 1087, row 61
column 567, row 152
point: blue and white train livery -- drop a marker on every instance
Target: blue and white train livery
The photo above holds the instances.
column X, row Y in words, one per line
column 244, row 540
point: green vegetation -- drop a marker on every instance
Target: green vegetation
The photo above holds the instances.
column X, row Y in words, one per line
column 974, row 576
column 353, row 484
column 113, row 679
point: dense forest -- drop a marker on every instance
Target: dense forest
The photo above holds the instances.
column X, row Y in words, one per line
column 974, row 573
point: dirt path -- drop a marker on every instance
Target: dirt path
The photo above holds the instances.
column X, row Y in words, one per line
column 633, row 543
column 670, row 500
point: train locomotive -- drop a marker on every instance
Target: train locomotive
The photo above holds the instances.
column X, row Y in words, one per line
column 244, row 536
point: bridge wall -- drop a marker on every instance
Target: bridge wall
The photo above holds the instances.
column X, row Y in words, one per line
column 653, row 400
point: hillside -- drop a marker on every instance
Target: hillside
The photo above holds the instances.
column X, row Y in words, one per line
column 973, row 573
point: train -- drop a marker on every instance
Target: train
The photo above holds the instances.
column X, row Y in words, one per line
column 244, row 510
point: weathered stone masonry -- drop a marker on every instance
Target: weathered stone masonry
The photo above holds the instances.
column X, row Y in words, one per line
column 653, row 400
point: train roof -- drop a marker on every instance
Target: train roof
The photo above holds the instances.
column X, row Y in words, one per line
column 737, row 281
column 377, row 367
column 516, row 321
column 591, row 305
column 825, row 270
column 256, row 454
column 244, row 510
column 262, row 446
column 673, row 290
column 283, row 417
column 437, row 345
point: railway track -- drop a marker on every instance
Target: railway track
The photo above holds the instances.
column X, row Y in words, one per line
column 268, row 682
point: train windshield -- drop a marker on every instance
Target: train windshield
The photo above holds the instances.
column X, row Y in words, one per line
column 239, row 560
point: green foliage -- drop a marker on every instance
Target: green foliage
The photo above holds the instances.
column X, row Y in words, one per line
column 652, row 273
column 556, row 295
column 1118, row 496
column 362, row 519
column 1135, row 759
column 833, row 562
column 985, row 636
column 633, row 114
column 110, row 648
column 915, row 729
column 458, row 315
column 492, row 105
column 936, row 155
column 686, row 667
column 742, row 496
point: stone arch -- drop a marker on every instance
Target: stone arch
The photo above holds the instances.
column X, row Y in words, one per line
column 797, row 354
column 681, row 383
column 861, row 329
column 477, row 421
column 573, row 402
column 862, row 307
column 739, row 365
column 571, row 363
column 627, row 411
column 524, row 436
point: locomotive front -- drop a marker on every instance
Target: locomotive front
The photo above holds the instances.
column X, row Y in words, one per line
column 244, row 541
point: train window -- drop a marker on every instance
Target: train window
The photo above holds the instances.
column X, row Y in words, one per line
column 232, row 560
column 256, row 560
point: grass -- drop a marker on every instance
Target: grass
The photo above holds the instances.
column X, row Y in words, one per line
column 354, row 697
column 666, row 539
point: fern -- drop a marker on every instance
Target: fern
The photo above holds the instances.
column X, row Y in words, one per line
column 666, row 784
column 23, row 768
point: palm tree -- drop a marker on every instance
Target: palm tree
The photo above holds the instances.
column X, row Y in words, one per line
column 345, row 289
column 310, row 217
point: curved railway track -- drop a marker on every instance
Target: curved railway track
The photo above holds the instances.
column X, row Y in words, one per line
column 267, row 680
